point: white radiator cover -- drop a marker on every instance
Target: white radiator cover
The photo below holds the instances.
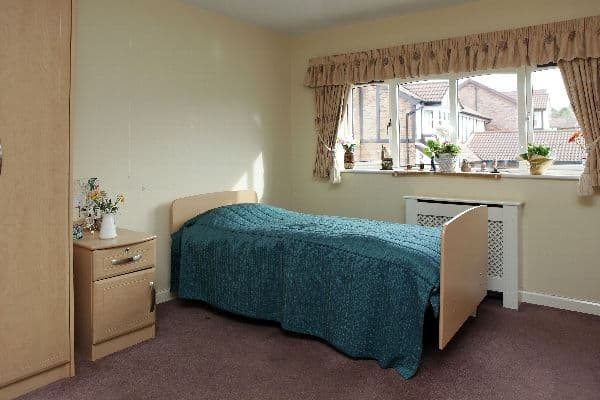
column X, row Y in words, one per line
column 503, row 236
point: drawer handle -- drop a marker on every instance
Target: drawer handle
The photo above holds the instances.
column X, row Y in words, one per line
column 115, row 261
column 152, row 296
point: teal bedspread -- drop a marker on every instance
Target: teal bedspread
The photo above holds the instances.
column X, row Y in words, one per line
column 363, row 286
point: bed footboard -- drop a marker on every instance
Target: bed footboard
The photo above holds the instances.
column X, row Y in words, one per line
column 463, row 270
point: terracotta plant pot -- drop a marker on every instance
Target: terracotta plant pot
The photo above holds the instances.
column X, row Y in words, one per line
column 349, row 159
column 447, row 162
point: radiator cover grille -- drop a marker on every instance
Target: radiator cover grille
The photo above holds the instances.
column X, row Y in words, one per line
column 495, row 240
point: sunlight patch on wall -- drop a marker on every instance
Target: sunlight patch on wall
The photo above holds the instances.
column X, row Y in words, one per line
column 258, row 176
column 242, row 183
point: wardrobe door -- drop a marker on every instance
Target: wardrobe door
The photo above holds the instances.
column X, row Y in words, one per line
column 34, row 192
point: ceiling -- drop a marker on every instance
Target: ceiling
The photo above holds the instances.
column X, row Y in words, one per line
column 295, row 16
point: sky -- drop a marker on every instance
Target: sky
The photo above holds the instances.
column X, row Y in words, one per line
column 549, row 79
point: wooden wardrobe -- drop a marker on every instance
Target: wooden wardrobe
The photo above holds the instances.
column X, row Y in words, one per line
column 36, row 318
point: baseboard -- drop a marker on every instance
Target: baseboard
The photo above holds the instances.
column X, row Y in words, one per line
column 162, row 296
column 564, row 303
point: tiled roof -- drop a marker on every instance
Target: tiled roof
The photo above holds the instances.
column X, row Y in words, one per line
column 540, row 98
column 432, row 91
column 470, row 111
column 563, row 122
column 504, row 145
column 467, row 153
column 557, row 141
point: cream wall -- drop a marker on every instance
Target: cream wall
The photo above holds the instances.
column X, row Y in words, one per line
column 561, row 233
column 171, row 101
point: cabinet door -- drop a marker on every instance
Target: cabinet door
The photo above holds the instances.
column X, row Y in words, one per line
column 123, row 304
column 35, row 226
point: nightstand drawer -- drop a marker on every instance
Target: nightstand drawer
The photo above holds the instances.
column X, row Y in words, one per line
column 122, row 260
column 123, row 304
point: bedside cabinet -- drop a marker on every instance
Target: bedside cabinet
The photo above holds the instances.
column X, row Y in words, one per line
column 114, row 292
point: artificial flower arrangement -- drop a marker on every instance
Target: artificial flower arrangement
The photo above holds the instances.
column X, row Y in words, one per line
column 577, row 137
column 348, row 144
column 96, row 201
column 443, row 149
column 538, row 158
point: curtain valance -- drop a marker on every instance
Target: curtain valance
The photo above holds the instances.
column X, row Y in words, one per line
column 533, row 45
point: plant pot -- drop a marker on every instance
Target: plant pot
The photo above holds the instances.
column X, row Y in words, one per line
column 108, row 229
column 538, row 164
column 349, row 159
column 447, row 162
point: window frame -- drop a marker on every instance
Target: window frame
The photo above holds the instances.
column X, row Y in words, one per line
column 525, row 117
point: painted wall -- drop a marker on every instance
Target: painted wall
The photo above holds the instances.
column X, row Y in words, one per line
column 560, row 232
column 173, row 101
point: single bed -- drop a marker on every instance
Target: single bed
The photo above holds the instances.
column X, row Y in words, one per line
column 255, row 254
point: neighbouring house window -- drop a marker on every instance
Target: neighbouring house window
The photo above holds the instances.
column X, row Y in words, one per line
column 494, row 115
column 370, row 106
column 538, row 119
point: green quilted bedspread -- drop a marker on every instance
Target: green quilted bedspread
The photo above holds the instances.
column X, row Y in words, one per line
column 361, row 285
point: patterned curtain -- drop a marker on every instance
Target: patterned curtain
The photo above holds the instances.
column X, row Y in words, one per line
column 582, row 78
column 329, row 111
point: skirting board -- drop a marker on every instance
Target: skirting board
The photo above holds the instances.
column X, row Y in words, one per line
column 563, row 303
column 162, row 296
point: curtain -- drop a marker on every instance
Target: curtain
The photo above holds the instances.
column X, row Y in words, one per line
column 582, row 79
column 329, row 111
column 533, row 45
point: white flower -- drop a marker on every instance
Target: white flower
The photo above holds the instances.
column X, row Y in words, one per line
column 444, row 132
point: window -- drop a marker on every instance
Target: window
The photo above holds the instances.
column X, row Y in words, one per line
column 554, row 121
column 538, row 119
column 492, row 115
column 370, row 105
column 422, row 107
column 488, row 118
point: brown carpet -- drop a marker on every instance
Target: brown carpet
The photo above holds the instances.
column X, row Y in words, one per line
column 199, row 353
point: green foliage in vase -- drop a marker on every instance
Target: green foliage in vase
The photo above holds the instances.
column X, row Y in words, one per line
column 435, row 148
column 536, row 149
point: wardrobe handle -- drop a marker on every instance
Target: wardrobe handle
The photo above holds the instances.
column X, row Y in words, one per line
column 152, row 297
column 0, row 157
column 115, row 261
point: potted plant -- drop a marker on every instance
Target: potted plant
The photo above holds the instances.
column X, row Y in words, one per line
column 537, row 157
column 446, row 154
column 349, row 146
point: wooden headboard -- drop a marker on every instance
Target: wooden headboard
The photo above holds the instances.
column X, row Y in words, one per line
column 188, row 207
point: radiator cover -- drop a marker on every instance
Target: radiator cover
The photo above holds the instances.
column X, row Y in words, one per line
column 503, row 236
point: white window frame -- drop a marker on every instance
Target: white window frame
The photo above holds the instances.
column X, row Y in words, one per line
column 524, row 108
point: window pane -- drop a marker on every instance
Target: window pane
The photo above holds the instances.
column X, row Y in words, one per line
column 422, row 108
column 554, row 121
column 488, row 119
column 370, row 118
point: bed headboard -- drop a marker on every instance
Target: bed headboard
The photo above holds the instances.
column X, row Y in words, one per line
column 188, row 207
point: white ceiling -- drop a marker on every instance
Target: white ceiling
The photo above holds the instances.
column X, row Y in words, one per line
column 296, row 16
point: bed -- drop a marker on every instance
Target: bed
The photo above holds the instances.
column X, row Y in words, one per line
column 363, row 286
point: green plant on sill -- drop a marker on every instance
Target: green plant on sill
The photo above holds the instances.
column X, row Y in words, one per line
column 435, row 148
column 536, row 149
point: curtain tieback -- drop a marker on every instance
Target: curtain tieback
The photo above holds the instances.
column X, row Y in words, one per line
column 590, row 146
column 329, row 149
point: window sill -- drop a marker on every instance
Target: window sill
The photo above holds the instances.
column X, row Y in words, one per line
column 551, row 175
